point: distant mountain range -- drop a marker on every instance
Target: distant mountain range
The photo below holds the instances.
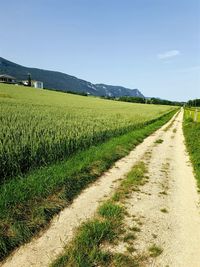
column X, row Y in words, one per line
column 64, row 82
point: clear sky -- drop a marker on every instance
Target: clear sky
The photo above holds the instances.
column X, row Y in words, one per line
column 152, row 45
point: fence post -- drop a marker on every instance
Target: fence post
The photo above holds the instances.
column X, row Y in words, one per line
column 195, row 115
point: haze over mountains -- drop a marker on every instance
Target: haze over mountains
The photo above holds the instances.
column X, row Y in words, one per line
column 64, row 82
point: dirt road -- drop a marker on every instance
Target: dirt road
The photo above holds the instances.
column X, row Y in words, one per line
column 168, row 205
column 171, row 188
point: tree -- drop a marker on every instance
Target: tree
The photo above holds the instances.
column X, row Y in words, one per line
column 29, row 79
column 194, row 103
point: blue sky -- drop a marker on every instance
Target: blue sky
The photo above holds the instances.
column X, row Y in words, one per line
column 152, row 45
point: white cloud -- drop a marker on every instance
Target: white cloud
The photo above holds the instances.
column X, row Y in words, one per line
column 168, row 54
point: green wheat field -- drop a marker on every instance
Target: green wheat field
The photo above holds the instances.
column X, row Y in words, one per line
column 39, row 127
column 53, row 145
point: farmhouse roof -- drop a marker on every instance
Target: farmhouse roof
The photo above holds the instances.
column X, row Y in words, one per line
column 7, row 76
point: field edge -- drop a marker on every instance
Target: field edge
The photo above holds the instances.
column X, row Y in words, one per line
column 191, row 132
column 28, row 205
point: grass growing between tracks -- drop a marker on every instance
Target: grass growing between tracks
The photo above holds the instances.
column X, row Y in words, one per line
column 85, row 249
column 28, row 203
column 192, row 137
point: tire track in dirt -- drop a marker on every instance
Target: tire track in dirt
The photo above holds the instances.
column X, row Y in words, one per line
column 166, row 208
column 45, row 248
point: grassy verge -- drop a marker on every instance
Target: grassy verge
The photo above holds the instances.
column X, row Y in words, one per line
column 85, row 249
column 28, row 203
column 191, row 113
column 192, row 137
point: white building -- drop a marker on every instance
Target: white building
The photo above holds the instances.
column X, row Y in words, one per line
column 35, row 84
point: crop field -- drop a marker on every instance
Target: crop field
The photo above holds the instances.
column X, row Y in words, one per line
column 52, row 145
column 39, row 127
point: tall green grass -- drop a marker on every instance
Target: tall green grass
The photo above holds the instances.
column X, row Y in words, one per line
column 85, row 249
column 190, row 113
column 192, row 137
column 28, row 203
column 39, row 127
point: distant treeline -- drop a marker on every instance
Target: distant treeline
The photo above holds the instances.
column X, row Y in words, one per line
column 76, row 93
column 133, row 99
column 153, row 100
column 193, row 103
